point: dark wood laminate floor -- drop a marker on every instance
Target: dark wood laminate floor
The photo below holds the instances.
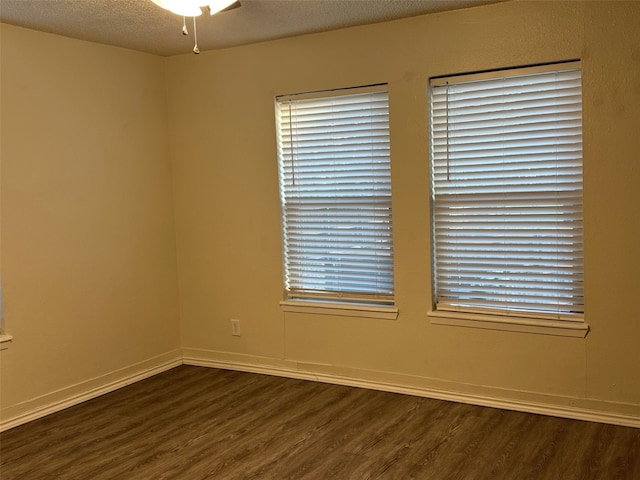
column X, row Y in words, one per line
column 200, row 423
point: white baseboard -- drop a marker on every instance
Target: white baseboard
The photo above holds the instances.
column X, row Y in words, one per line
column 87, row 390
column 290, row 369
column 602, row 412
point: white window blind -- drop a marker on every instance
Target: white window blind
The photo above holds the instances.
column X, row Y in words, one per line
column 507, row 192
column 335, row 186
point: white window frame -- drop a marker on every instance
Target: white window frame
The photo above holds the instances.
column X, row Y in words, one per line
column 466, row 309
column 312, row 135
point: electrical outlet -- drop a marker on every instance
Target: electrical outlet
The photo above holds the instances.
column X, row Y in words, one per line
column 235, row 327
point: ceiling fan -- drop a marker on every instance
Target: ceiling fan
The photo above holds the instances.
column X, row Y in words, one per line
column 194, row 8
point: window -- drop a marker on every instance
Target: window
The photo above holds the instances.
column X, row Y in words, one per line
column 506, row 151
column 335, row 190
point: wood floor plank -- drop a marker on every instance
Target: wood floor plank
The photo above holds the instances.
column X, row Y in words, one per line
column 193, row 423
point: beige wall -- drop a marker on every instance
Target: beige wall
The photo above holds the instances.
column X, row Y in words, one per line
column 88, row 260
column 221, row 108
column 90, row 150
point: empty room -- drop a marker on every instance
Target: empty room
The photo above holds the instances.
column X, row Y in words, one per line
column 312, row 239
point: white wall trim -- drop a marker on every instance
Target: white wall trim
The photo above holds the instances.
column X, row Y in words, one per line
column 290, row 369
column 509, row 323
column 341, row 309
column 81, row 392
column 5, row 340
column 53, row 402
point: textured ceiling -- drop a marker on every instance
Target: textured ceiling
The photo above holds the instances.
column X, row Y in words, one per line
column 141, row 25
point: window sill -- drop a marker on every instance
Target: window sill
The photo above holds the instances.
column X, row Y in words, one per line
column 510, row 324
column 319, row 308
column 5, row 340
